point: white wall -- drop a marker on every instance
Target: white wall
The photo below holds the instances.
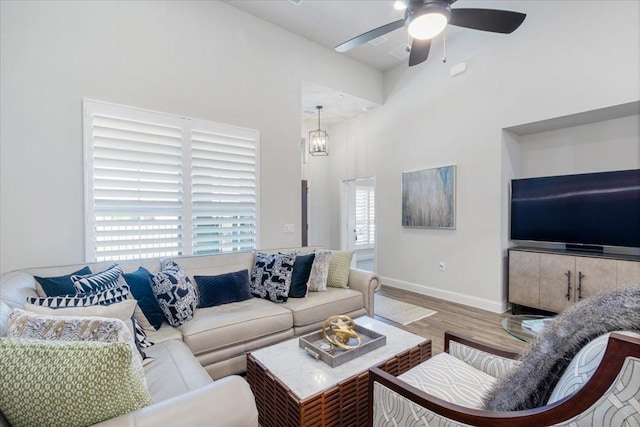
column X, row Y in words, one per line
column 206, row 60
column 558, row 63
column 596, row 147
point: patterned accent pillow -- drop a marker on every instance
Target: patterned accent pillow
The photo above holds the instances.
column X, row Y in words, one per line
column 23, row 324
column 104, row 297
column 97, row 281
column 59, row 285
column 141, row 337
column 319, row 272
column 176, row 295
column 121, row 310
column 271, row 276
column 339, row 266
column 99, row 374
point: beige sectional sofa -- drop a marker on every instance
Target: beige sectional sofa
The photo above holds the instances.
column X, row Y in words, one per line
column 192, row 379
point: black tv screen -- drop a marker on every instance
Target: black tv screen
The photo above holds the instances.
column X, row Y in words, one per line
column 587, row 209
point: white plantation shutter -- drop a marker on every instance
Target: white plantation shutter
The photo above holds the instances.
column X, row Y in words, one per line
column 223, row 174
column 365, row 211
column 155, row 187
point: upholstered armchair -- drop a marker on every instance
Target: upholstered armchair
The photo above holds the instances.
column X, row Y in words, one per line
column 579, row 372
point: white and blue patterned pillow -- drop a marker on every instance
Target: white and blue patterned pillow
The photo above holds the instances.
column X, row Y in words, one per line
column 271, row 276
column 176, row 295
column 104, row 297
column 97, row 281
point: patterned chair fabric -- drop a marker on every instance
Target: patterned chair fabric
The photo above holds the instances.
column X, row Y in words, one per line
column 450, row 379
column 462, row 376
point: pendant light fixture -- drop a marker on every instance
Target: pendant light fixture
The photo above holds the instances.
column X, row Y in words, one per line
column 319, row 139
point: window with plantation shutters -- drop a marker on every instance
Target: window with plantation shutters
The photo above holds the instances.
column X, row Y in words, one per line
column 365, row 215
column 161, row 185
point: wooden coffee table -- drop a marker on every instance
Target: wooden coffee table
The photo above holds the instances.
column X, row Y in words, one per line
column 294, row 389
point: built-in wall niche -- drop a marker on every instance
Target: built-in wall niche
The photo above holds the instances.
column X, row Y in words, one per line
column 601, row 140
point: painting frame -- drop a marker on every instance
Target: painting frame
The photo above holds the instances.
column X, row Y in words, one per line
column 429, row 198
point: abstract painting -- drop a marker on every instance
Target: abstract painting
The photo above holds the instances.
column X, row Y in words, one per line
column 429, row 197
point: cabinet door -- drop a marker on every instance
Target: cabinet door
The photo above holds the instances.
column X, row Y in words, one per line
column 557, row 284
column 628, row 273
column 524, row 278
column 594, row 276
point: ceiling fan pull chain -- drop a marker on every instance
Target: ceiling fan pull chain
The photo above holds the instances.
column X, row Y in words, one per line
column 444, row 46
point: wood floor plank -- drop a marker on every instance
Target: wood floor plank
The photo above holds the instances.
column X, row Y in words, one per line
column 480, row 324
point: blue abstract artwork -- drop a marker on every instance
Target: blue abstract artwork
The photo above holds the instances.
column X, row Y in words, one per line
column 428, row 198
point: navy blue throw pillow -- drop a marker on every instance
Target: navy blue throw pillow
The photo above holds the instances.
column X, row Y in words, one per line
column 140, row 283
column 61, row 285
column 223, row 288
column 300, row 275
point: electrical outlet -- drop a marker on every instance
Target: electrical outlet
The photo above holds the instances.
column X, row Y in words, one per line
column 289, row 228
column 441, row 266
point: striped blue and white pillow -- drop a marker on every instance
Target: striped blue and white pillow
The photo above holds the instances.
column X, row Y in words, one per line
column 97, row 281
column 104, row 297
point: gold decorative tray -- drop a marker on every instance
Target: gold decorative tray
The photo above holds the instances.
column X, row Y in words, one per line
column 370, row 341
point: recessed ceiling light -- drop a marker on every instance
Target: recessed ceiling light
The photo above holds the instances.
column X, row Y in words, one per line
column 295, row 2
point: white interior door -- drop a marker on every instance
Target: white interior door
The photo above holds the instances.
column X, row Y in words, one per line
column 358, row 221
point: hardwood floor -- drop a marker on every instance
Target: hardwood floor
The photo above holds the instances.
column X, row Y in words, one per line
column 474, row 322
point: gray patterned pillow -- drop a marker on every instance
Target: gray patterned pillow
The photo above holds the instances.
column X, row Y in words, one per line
column 23, row 324
column 97, row 281
column 271, row 276
column 319, row 272
column 176, row 295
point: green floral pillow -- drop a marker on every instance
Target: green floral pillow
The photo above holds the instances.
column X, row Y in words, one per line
column 67, row 383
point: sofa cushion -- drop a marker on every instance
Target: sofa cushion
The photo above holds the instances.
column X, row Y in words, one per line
column 450, row 379
column 97, row 281
column 47, row 382
column 58, row 285
column 217, row 327
column 175, row 371
column 223, row 288
column 300, row 275
column 271, row 276
column 140, row 283
column 318, row 306
column 176, row 295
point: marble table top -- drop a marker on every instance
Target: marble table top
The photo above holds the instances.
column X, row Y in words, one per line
column 306, row 376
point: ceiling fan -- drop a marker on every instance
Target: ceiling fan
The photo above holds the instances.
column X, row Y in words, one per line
column 425, row 19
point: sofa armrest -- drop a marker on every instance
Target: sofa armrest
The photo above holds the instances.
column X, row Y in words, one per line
column 227, row 402
column 367, row 283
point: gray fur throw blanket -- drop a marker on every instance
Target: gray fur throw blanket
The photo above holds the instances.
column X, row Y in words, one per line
column 530, row 384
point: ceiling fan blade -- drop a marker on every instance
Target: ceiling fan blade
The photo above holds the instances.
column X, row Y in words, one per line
column 369, row 35
column 496, row 21
column 419, row 51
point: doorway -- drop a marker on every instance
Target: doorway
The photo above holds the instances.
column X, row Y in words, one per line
column 358, row 221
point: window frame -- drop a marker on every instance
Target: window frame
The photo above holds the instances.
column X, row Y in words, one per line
column 188, row 125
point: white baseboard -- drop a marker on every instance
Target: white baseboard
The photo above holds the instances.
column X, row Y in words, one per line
column 484, row 304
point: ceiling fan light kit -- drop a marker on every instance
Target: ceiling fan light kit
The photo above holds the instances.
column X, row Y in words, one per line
column 428, row 21
column 319, row 139
column 425, row 19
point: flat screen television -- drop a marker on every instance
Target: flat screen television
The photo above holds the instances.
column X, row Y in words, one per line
column 592, row 209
